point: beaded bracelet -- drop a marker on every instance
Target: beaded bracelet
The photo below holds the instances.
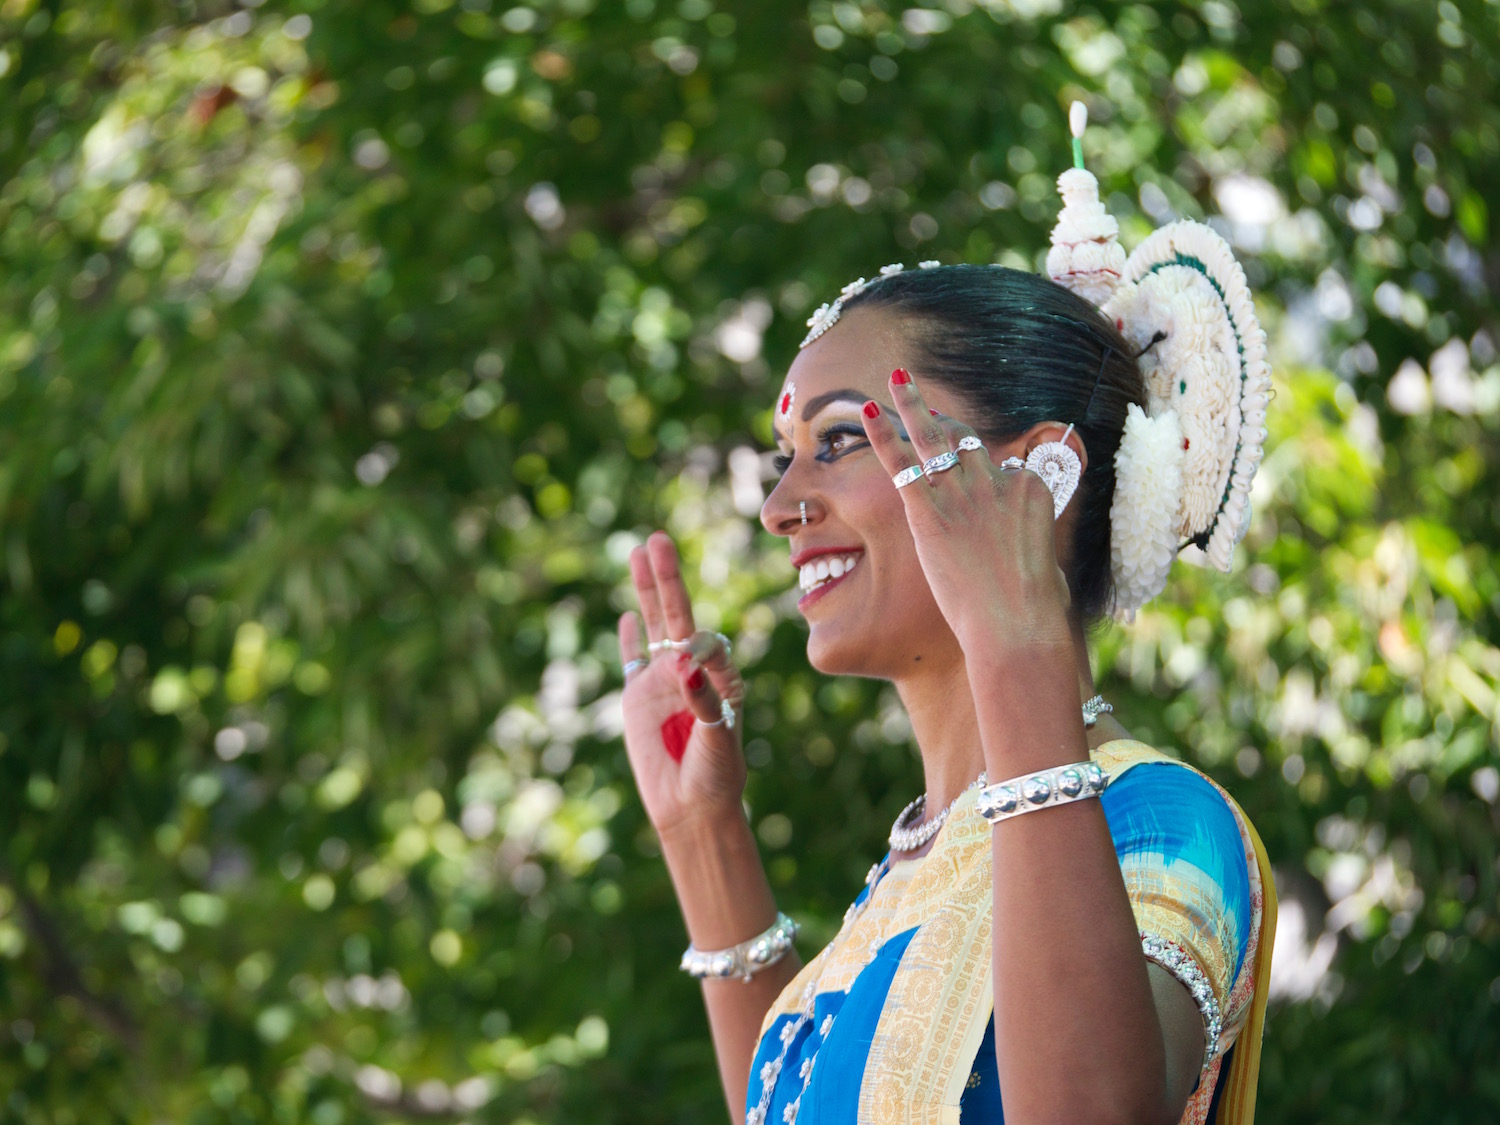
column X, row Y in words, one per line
column 747, row 958
column 1041, row 790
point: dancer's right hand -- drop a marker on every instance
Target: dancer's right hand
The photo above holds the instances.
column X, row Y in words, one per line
column 663, row 698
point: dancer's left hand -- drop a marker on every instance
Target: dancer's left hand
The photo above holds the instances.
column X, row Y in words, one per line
column 985, row 535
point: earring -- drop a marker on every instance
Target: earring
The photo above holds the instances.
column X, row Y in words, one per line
column 1059, row 467
column 803, row 507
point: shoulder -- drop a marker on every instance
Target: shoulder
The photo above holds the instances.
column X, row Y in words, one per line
column 1157, row 796
column 1166, row 817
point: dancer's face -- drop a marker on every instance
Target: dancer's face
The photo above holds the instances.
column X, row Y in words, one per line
column 879, row 619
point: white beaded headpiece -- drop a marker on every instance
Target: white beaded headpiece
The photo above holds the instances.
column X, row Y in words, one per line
column 1185, row 462
column 827, row 315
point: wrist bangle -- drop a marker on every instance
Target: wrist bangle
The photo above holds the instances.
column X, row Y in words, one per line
column 1041, row 790
column 747, row 958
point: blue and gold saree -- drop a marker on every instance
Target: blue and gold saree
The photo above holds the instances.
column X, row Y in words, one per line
column 893, row 1022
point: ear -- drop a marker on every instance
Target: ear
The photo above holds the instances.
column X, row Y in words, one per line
column 1044, row 432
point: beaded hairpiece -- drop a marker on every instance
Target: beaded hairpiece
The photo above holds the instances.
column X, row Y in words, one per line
column 827, row 315
column 1185, row 462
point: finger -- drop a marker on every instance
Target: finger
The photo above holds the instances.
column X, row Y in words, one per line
column 709, row 650
column 676, row 605
column 646, row 593
column 962, row 438
column 928, row 437
column 701, row 695
column 881, row 428
column 632, row 646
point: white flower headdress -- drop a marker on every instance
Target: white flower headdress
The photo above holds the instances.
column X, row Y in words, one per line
column 1185, row 462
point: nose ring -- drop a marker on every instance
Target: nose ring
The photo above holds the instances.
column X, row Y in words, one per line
column 803, row 507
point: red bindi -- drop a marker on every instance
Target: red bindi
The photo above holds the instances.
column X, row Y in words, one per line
column 675, row 732
column 786, row 404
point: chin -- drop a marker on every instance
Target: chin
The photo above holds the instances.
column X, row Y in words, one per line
column 846, row 652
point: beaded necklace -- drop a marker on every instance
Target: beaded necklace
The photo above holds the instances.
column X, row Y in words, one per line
column 904, row 838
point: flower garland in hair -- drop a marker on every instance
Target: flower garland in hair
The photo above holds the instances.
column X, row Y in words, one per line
column 1185, row 463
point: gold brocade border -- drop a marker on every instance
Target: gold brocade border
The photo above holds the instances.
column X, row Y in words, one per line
column 939, row 1003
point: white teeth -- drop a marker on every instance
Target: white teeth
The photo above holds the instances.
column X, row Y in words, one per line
column 825, row 569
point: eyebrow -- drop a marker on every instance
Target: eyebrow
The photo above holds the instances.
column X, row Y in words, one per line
column 827, row 398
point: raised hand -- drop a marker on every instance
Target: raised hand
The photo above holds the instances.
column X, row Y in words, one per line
column 984, row 534
column 684, row 752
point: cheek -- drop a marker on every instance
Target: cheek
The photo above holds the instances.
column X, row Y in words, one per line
column 879, row 513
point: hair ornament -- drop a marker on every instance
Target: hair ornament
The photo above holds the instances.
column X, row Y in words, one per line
column 1086, row 254
column 1185, row 464
column 827, row 315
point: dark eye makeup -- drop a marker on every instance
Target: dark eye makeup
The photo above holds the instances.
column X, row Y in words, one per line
column 834, row 441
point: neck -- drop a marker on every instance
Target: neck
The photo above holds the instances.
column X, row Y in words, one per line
column 946, row 724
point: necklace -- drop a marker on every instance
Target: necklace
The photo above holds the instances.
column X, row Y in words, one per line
column 905, row 838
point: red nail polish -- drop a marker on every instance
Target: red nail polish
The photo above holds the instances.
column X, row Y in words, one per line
column 695, row 681
column 872, row 410
column 931, row 411
column 684, row 657
column 900, row 377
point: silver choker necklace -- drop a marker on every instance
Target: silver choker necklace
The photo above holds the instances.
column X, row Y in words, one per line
column 905, row 838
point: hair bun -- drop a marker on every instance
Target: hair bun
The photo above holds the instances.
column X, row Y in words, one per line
column 1183, row 299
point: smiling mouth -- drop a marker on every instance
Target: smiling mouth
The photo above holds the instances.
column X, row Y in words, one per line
column 825, row 570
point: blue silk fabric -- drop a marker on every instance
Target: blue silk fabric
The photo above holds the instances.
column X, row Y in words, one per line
column 1183, row 859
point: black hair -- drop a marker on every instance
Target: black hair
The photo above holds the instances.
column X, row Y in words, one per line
column 1018, row 349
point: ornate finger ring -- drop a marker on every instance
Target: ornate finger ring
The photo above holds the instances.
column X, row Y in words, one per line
column 661, row 646
column 633, row 666
column 969, row 442
column 723, row 640
column 940, row 464
column 906, row 476
column 1012, row 463
column 726, row 716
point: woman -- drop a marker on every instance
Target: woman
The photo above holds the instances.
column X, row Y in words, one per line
column 969, row 481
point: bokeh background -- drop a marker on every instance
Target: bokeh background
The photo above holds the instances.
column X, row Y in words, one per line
column 347, row 348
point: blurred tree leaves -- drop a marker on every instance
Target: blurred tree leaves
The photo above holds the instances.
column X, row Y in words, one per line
column 345, row 350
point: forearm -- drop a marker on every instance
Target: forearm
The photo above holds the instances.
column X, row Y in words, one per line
column 725, row 898
column 1077, row 1032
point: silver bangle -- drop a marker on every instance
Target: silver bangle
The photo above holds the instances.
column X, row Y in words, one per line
column 743, row 960
column 1041, row 790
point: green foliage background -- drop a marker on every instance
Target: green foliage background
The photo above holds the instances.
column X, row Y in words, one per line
column 345, row 350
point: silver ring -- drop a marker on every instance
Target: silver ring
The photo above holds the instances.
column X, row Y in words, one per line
column 723, row 640
column 969, row 441
column 803, row 507
column 633, row 666
column 726, row 716
column 940, row 464
column 1012, row 463
column 906, row 476
column 662, row 646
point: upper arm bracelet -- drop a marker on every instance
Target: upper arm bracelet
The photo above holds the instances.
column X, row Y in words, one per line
column 1177, row 961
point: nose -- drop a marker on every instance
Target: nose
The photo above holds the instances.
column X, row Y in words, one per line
column 783, row 512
